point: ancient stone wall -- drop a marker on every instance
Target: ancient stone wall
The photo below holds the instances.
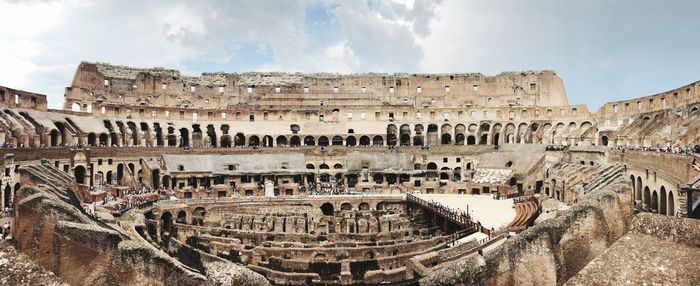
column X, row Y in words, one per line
column 107, row 84
column 551, row 252
column 22, row 99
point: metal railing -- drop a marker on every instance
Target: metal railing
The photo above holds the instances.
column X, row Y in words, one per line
column 463, row 221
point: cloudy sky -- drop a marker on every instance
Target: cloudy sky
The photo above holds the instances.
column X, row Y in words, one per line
column 604, row 50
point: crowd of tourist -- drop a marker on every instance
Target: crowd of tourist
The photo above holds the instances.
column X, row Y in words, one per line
column 674, row 150
column 133, row 198
column 132, row 202
column 555, row 148
column 144, row 191
column 7, row 146
column 6, row 228
column 451, row 211
column 7, row 212
column 322, row 189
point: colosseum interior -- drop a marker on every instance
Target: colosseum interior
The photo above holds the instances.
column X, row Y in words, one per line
column 150, row 177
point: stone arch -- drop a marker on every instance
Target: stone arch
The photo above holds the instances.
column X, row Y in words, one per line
column 120, row 173
column 655, row 201
column 662, row 201
column 92, row 139
column 546, row 133
column 281, row 141
column 159, row 134
column 671, row 204
column 445, row 173
column 239, row 140
column 484, row 139
column 104, row 139
column 635, row 196
column 431, row 166
column 363, row 206
column 639, row 189
column 522, row 129
column 211, row 133
column 166, row 181
column 327, row 209
column 226, row 141
column 198, row 216
column 172, row 138
column 155, row 179
column 309, row 141
column 61, row 132
column 446, row 139
column 152, row 232
column 405, row 135
column 181, row 217
column 377, row 141
column 346, row 206
column 267, row 141
column 432, row 134
column 350, row 141
column 54, row 138
column 380, row 206
column 446, row 134
column 364, row 140
column 184, row 137
column 7, row 196
column 391, row 135
column 166, row 223
column 295, row 141
column 460, row 129
column 323, row 141
column 418, row 139
column 253, row 141
column 510, row 133
column 471, row 140
column 604, row 140
column 484, row 130
column 79, row 174
column 647, row 196
column 585, row 127
column 337, row 140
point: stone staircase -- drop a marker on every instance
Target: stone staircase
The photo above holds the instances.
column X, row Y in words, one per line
column 604, row 178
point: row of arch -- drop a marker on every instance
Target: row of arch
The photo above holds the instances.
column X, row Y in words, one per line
column 8, row 194
column 131, row 134
column 661, row 201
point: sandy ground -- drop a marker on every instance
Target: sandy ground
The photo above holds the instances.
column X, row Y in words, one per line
column 491, row 213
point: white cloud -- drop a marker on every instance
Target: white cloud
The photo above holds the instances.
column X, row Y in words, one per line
column 385, row 38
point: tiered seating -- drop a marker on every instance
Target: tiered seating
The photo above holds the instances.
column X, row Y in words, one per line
column 525, row 213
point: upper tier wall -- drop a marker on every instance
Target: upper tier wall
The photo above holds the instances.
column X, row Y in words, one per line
column 677, row 97
column 97, row 83
column 22, row 99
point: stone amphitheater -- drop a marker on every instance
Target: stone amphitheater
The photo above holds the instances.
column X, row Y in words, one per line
column 150, row 177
